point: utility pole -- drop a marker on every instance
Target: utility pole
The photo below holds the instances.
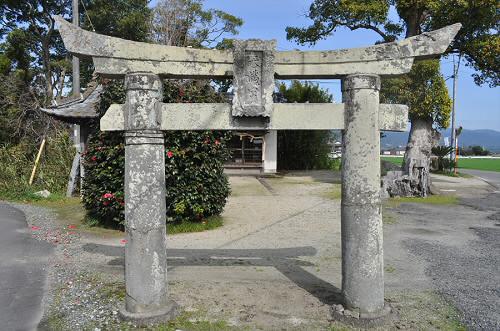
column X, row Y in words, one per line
column 77, row 167
column 453, row 136
column 76, row 60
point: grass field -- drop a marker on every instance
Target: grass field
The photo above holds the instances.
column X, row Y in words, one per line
column 478, row 164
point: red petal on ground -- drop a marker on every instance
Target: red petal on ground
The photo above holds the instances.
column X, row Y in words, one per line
column 71, row 226
column 35, row 228
column 123, row 241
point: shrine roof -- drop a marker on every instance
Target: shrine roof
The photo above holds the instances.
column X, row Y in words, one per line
column 76, row 110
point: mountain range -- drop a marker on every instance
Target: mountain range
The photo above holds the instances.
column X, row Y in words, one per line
column 489, row 139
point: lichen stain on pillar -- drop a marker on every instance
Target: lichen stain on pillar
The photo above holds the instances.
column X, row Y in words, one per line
column 145, row 206
column 362, row 243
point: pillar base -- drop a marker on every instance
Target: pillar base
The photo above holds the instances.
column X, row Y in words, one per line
column 165, row 314
column 362, row 320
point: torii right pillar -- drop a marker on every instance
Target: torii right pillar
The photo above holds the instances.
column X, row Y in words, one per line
column 361, row 211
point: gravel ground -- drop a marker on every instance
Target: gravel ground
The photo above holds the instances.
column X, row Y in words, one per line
column 465, row 267
column 429, row 249
column 76, row 298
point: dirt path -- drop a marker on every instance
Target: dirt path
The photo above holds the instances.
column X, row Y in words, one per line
column 276, row 263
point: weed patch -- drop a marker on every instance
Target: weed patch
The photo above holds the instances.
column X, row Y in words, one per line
column 432, row 200
column 210, row 223
column 334, row 193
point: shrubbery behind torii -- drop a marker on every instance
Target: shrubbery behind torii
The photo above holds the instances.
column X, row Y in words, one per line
column 196, row 185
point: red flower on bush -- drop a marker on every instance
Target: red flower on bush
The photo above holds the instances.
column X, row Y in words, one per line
column 93, row 158
column 217, row 142
column 170, row 154
column 108, row 195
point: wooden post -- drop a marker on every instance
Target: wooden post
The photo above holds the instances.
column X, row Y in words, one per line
column 37, row 161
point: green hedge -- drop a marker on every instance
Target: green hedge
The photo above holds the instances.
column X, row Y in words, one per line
column 196, row 185
column 16, row 164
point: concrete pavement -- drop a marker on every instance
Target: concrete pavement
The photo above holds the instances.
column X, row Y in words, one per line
column 492, row 177
column 23, row 262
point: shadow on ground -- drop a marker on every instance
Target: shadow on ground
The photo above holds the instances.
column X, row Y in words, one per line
column 285, row 260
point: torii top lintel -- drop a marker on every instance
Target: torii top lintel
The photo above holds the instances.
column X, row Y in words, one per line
column 117, row 57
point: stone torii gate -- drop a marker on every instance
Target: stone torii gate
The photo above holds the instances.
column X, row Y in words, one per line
column 253, row 65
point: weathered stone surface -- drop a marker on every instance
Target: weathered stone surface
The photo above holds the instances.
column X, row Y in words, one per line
column 253, row 80
column 362, row 252
column 145, row 217
column 291, row 116
column 166, row 313
column 145, row 206
column 117, row 57
column 393, row 117
column 113, row 119
column 43, row 194
column 111, row 67
column 142, row 106
column 384, row 59
column 86, row 43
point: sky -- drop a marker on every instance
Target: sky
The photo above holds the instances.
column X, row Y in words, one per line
column 476, row 107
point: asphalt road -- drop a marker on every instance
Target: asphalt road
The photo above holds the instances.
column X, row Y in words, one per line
column 460, row 249
column 23, row 262
column 492, row 177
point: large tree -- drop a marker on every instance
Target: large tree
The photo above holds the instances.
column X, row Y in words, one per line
column 423, row 89
column 40, row 47
column 186, row 23
column 304, row 149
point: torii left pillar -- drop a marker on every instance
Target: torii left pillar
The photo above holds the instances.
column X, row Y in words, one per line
column 145, row 207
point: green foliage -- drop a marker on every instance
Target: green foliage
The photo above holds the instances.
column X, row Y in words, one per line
column 33, row 43
column 486, row 164
column 474, row 151
column 304, row 92
column 17, row 49
column 102, row 187
column 209, row 223
column 442, row 152
column 306, row 149
column 431, row 199
column 16, row 163
column 329, row 15
column 423, row 90
column 478, row 40
column 196, row 185
column 127, row 19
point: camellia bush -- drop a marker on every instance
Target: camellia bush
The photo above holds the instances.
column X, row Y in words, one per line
column 194, row 164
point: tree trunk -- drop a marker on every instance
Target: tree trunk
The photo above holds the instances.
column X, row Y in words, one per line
column 414, row 179
column 417, row 159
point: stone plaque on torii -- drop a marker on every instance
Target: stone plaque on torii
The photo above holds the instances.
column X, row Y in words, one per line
column 253, row 65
